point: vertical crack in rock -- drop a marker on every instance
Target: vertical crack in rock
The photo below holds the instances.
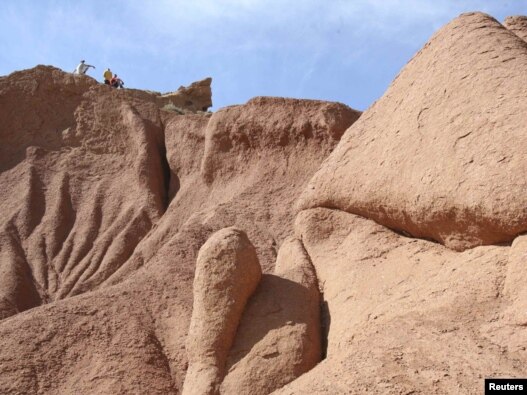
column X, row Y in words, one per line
column 325, row 324
column 165, row 168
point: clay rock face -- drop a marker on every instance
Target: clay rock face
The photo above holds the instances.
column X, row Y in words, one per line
column 36, row 105
column 87, row 174
column 251, row 186
column 407, row 315
column 516, row 284
column 83, row 182
column 515, row 288
column 518, row 25
column 185, row 140
column 126, row 331
column 17, row 288
column 439, row 156
column 227, row 273
column 510, row 328
column 240, row 134
column 279, row 335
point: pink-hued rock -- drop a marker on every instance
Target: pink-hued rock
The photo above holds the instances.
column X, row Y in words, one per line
column 239, row 135
column 195, row 97
column 227, row 274
column 440, row 155
column 192, row 99
column 518, row 25
column 279, row 337
column 82, row 184
column 515, row 285
column 70, row 196
column 407, row 315
column 120, row 218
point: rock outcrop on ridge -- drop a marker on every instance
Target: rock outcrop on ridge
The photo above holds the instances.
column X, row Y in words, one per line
column 518, row 25
column 323, row 252
column 195, row 97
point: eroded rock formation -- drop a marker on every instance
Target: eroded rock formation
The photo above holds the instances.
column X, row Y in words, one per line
column 279, row 336
column 125, row 330
column 442, row 144
column 195, row 97
column 227, row 273
column 83, row 183
column 407, row 315
column 401, row 269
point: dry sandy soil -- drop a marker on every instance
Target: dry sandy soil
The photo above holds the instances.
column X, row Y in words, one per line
column 283, row 245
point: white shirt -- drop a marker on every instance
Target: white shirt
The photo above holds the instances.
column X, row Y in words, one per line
column 81, row 68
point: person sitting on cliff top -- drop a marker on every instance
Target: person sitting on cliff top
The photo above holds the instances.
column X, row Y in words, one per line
column 82, row 68
column 107, row 75
column 116, row 82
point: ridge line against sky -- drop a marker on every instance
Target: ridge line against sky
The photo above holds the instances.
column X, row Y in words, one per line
column 347, row 51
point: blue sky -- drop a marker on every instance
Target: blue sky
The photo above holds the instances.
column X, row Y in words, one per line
column 338, row 50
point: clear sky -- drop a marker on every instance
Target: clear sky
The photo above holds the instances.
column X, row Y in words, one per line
column 338, row 50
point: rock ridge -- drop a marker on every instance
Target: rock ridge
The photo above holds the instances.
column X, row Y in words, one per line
column 441, row 144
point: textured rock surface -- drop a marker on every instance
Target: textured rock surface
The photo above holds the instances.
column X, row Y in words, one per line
column 240, row 134
column 279, row 335
column 35, row 107
column 407, row 315
column 516, row 283
column 510, row 329
column 108, row 198
column 227, row 273
column 82, row 184
column 439, row 155
column 126, row 334
column 518, row 25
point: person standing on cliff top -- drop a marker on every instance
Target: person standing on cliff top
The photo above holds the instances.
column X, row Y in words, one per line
column 82, row 68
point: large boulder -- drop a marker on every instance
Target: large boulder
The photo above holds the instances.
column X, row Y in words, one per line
column 440, row 155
